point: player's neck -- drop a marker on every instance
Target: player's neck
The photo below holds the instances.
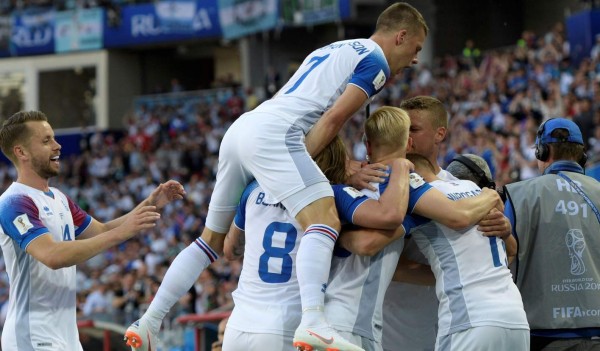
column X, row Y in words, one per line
column 32, row 179
column 383, row 42
column 387, row 158
column 434, row 162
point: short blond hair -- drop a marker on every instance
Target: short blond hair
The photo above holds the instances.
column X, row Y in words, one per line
column 387, row 128
column 399, row 16
column 437, row 112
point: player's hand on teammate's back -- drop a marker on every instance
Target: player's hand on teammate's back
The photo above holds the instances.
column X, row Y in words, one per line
column 166, row 192
column 141, row 218
column 362, row 174
column 403, row 165
column 493, row 195
column 495, row 224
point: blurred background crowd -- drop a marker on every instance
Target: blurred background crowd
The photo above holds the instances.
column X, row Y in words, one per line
column 496, row 100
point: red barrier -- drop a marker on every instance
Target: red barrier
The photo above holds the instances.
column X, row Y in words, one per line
column 101, row 330
column 197, row 320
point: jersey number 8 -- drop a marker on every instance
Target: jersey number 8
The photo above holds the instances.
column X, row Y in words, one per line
column 282, row 253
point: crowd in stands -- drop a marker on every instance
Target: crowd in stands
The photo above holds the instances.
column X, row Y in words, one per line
column 496, row 103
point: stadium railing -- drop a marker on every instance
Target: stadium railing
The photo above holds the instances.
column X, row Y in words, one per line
column 100, row 335
column 199, row 322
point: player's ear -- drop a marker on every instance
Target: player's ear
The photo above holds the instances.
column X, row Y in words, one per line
column 20, row 152
column 440, row 134
column 369, row 149
column 400, row 36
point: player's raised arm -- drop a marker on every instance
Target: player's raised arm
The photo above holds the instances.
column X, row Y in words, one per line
column 333, row 119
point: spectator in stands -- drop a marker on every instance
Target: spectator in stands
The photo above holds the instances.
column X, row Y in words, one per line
column 272, row 82
column 97, row 305
column 176, row 87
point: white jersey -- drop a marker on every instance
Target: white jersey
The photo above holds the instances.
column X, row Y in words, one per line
column 42, row 301
column 410, row 310
column 272, row 135
column 323, row 77
column 473, row 284
column 267, row 299
column 357, row 284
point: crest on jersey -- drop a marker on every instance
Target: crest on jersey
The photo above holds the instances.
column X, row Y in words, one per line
column 22, row 223
column 379, row 80
column 415, row 180
column 353, row 192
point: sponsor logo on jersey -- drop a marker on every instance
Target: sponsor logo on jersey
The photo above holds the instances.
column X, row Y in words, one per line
column 22, row 223
column 379, row 80
column 48, row 211
column 353, row 192
column 415, row 180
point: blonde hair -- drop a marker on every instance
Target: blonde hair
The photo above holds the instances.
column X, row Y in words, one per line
column 398, row 16
column 387, row 128
column 437, row 112
column 332, row 161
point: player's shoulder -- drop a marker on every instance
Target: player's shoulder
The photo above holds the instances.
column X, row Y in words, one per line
column 415, row 180
column 360, row 47
column 17, row 197
column 343, row 190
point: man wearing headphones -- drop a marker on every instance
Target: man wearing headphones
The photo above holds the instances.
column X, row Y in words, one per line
column 556, row 222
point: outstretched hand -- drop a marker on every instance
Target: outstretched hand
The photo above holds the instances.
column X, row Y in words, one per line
column 141, row 218
column 166, row 192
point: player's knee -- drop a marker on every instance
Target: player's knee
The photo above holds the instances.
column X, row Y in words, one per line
column 320, row 212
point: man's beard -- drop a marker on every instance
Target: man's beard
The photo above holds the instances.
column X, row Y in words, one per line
column 44, row 169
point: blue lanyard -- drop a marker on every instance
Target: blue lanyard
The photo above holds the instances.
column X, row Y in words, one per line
column 578, row 189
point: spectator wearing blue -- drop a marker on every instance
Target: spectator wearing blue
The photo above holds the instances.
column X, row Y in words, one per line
column 556, row 222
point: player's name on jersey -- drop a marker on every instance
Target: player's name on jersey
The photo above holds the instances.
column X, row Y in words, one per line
column 356, row 45
column 261, row 197
column 463, row 194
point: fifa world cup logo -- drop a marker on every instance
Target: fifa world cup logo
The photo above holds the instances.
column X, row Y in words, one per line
column 576, row 244
column 20, row 220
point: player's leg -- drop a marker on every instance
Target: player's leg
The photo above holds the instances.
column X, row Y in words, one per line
column 286, row 171
column 313, row 262
column 189, row 263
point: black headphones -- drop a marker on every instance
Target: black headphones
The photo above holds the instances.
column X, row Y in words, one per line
column 482, row 180
column 542, row 151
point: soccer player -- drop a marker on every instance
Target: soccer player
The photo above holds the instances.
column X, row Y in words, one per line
column 45, row 234
column 357, row 284
column 480, row 306
column 272, row 144
column 267, row 301
column 410, row 313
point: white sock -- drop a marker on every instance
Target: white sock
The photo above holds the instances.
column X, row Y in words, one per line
column 181, row 275
column 313, row 262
